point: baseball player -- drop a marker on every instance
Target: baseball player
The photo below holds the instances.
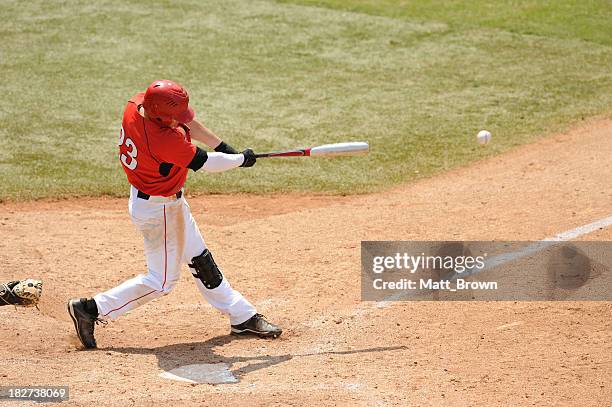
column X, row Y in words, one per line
column 156, row 152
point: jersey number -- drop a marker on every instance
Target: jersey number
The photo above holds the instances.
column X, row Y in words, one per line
column 130, row 163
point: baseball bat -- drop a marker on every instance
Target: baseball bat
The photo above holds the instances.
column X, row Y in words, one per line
column 326, row 150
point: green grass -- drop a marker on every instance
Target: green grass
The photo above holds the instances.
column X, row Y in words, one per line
column 590, row 20
column 418, row 85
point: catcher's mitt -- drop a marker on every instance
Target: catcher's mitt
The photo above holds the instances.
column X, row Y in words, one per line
column 25, row 293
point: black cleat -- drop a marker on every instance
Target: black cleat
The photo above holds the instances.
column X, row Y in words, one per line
column 84, row 322
column 257, row 325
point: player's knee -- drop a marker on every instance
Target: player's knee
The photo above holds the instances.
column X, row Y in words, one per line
column 159, row 283
column 204, row 268
column 168, row 285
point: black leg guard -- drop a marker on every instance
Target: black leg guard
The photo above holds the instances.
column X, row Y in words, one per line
column 205, row 268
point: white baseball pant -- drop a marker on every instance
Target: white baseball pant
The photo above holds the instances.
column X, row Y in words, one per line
column 171, row 239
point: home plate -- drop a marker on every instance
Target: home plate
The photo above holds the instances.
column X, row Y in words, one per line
column 216, row 373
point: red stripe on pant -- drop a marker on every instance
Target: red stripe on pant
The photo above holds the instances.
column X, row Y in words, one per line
column 165, row 270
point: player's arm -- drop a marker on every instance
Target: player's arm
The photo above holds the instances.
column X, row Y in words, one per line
column 201, row 133
column 175, row 150
column 218, row 162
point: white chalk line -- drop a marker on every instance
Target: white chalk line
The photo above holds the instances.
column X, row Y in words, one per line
column 524, row 252
column 581, row 230
column 510, row 325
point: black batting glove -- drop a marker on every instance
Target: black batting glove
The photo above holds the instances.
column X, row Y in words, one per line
column 249, row 158
column 225, row 148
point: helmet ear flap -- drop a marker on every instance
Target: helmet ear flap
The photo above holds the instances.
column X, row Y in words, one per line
column 156, row 114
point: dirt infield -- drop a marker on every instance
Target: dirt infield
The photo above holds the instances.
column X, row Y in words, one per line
column 297, row 258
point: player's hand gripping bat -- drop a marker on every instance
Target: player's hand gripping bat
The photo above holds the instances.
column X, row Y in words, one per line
column 326, row 150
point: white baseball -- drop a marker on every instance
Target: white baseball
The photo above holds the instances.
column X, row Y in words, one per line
column 483, row 137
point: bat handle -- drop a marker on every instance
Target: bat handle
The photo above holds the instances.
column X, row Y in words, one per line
column 292, row 153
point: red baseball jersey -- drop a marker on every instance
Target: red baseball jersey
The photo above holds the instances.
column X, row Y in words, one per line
column 154, row 157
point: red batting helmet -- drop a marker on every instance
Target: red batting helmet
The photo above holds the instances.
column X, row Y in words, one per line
column 165, row 101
